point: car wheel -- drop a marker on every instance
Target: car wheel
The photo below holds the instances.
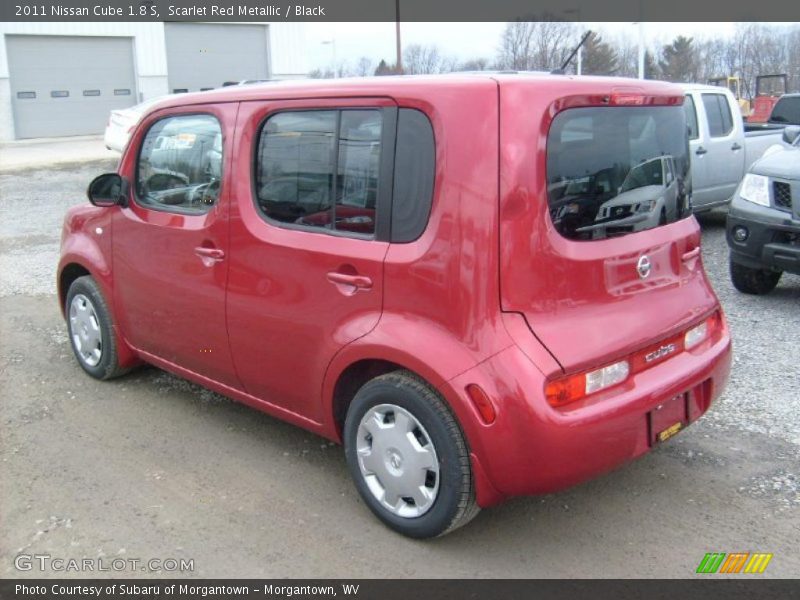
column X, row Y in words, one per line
column 408, row 456
column 662, row 219
column 753, row 281
column 91, row 331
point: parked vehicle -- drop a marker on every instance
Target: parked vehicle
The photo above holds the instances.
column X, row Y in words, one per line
column 353, row 262
column 763, row 228
column 649, row 196
column 769, row 89
column 121, row 123
column 786, row 111
column 721, row 148
column 734, row 84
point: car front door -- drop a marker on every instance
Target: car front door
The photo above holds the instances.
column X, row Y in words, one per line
column 171, row 242
column 309, row 230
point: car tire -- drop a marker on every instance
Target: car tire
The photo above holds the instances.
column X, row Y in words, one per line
column 401, row 439
column 753, row 281
column 91, row 330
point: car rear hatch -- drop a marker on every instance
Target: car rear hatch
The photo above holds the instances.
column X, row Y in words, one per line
column 599, row 251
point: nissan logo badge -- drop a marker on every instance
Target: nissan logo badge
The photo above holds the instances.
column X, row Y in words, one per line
column 643, row 266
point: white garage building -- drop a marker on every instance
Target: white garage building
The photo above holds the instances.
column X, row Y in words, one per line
column 59, row 79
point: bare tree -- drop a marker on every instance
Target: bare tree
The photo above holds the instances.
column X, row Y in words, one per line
column 539, row 45
column 420, row 60
column 364, row 67
column 474, row 64
column 627, row 57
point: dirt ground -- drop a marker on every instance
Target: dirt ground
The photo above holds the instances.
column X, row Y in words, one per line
column 151, row 467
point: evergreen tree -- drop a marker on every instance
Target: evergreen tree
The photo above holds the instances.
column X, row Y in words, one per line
column 599, row 58
column 680, row 61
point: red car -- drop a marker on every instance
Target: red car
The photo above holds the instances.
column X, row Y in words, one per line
column 417, row 268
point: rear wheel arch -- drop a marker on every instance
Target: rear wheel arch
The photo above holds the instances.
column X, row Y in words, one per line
column 352, row 379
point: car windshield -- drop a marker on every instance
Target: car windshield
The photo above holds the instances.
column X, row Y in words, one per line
column 617, row 170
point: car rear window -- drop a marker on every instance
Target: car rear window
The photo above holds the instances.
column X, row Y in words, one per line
column 617, row 170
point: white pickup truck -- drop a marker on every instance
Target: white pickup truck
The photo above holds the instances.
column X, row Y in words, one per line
column 721, row 148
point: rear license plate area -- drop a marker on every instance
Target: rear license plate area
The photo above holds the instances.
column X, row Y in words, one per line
column 668, row 418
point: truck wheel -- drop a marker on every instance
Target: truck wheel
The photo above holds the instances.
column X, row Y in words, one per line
column 91, row 331
column 408, row 457
column 753, row 281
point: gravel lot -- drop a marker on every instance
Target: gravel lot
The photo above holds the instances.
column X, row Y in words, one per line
column 150, row 466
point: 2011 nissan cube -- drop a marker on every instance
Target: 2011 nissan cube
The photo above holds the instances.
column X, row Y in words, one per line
column 432, row 271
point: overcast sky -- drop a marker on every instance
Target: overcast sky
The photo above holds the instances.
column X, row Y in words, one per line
column 463, row 40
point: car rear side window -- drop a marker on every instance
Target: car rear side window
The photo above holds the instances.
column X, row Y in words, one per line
column 320, row 169
column 414, row 171
column 617, row 170
column 180, row 164
column 720, row 120
column 691, row 117
column 786, row 110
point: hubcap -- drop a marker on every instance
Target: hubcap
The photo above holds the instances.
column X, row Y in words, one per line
column 397, row 460
column 84, row 327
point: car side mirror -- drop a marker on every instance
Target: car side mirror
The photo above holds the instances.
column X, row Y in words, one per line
column 790, row 134
column 109, row 189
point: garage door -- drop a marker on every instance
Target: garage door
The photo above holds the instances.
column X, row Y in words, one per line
column 204, row 56
column 68, row 85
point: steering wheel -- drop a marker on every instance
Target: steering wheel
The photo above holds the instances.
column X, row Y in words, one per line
column 210, row 193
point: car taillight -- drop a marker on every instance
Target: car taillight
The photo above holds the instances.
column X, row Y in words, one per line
column 638, row 98
column 627, row 99
column 700, row 333
column 573, row 388
column 565, row 390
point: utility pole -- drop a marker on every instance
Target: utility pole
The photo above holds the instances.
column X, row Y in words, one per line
column 399, row 59
column 641, row 39
column 641, row 50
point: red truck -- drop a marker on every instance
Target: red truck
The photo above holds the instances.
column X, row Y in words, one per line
column 435, row 272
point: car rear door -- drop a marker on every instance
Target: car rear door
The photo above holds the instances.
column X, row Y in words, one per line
column 309, row 234
column 171, row 242
column 597, row 286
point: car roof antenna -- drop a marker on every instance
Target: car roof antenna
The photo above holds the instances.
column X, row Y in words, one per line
column 562, row 69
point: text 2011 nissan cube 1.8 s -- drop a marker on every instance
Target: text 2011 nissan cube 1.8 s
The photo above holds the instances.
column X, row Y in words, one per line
column 482, row 286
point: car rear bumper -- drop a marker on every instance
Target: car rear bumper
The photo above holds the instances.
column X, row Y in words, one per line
column 773, row 239
column 533, row 448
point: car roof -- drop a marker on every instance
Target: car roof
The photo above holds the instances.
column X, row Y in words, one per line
column 690, row 87
column 410, row 85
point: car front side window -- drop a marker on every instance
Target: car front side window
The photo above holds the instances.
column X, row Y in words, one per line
column 180, row 164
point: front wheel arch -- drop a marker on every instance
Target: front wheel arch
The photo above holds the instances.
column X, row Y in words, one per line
column 68, row 274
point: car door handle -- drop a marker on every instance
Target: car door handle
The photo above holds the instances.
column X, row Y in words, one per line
column 700, row 151
column 687, row 256
column 358, row 282
column 209, row 254
column 736, row 147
